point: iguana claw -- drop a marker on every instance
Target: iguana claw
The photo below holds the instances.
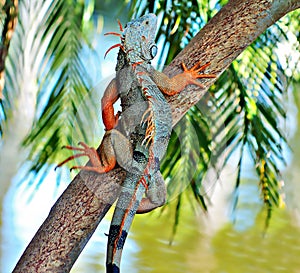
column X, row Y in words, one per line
column 96, row 164
column 193, row 73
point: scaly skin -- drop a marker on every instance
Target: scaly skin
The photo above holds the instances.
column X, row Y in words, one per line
column 152, row 143
column 137, row 138
column 139, row 47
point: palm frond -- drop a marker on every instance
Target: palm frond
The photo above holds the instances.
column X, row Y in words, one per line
column 181, row 165
column 259, row 88
column 20, row 68
column 8, row 18
column 64, row 85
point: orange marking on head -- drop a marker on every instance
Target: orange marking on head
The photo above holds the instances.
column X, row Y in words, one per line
column 113, row 33
column 112, row 47
column 116, row 33
column 120, row 25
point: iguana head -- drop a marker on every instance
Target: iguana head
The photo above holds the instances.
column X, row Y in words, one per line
column 139, row 39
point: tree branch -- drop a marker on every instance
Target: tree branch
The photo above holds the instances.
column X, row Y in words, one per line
column 222, row 39
column 77, row 213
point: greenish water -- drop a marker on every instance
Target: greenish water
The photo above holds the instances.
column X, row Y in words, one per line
column 197, row 249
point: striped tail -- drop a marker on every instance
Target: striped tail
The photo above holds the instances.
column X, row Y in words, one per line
column 127, row 205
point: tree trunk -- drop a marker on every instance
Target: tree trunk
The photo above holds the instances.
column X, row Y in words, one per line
column 77, row 213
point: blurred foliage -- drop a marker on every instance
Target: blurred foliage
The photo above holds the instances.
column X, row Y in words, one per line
column 63, row 84
column 63, row 80
column 241, row 117
column 8, row 21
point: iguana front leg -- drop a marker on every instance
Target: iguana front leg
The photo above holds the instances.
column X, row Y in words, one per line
column 108, row 100
column 174, row 85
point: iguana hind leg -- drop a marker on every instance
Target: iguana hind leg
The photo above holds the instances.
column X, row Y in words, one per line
column 155, row 194
column 95, row 162
column 105, row 159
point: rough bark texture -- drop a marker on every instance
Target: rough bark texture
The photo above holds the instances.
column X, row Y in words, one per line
column 223, row 38
column 79, row 210
column 71, row 222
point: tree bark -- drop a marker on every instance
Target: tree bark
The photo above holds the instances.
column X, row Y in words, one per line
column 77, row 213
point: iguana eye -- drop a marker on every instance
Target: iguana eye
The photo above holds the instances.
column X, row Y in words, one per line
column 153, row 51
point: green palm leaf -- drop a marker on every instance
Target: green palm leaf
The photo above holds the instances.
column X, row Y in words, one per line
column 64, row 85
column 8, row 21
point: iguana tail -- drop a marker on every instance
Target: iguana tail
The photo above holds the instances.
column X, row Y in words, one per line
column 127, row 205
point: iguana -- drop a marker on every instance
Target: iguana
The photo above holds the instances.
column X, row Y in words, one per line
column 137, row 138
